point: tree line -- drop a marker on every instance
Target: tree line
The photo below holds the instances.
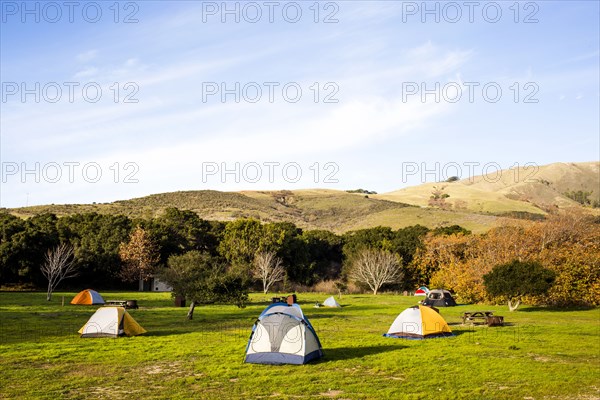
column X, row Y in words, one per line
column 212, row 261
column 100, row 252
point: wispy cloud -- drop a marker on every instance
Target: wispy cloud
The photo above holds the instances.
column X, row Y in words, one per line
column 87, row 56
column 88, row 72
column 368, row 54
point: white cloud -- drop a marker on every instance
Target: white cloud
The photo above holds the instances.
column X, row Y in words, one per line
column 88, row 72
column 87, row 56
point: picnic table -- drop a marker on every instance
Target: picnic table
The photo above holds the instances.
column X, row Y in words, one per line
column 122, row 303
column 473, row 316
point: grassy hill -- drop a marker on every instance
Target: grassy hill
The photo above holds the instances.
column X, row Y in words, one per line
column 476, row 203
column 526, row 189
column 334, row 210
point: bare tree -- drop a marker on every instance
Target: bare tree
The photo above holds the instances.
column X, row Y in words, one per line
column 438, row 198
column 376, row 268
column 59, row 265
column 268, row 268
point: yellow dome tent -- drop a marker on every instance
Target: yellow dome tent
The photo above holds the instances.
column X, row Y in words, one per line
column 111, row 322
column 419, row 322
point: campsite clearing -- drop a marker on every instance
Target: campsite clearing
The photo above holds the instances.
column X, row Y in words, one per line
column 539, row 353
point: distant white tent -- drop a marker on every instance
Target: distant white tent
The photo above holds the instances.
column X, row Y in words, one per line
column 330, row 302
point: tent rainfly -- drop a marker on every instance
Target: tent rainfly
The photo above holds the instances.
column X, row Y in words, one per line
column 422, row 291
column 88, row 296
column 330, row 302
column 283, row 335
column 419, row 322
column 111, row 322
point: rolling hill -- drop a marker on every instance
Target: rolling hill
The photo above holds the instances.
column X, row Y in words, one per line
column 526, row 189
column 477, row 204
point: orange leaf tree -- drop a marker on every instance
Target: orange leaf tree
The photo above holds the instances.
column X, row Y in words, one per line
column 139, row 256
column 568, row 244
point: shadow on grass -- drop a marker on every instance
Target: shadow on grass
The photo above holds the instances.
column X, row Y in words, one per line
column 553, row 309
column 167, row 332
column 348, row 353
column 314, row 317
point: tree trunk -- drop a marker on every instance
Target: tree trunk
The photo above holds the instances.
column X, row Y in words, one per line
column 190, row 314
column 513, row 304
column 375, row 292
column 49, row 293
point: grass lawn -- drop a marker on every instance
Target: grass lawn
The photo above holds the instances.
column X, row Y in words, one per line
column 540, row 353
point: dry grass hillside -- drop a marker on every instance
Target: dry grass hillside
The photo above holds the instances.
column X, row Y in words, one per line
column 530, row 189
column 475, row 204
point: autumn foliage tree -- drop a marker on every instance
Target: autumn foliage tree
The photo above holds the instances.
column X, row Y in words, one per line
column 568, row 244
column 139, row 256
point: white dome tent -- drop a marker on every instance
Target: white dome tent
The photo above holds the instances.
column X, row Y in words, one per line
column 283, row 335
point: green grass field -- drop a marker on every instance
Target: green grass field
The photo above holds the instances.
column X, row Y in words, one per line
column 540, row 353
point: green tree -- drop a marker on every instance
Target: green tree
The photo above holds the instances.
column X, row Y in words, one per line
column 451, row 230
column 30, row 246
column 202, row 278
column 241, row 241
column 10, row 227
column 96, row 239
column 179, row 231
column 322, row 251
column 404, row 243
column 516, row 279
column 355, row 242
column 284, row 238
column 580, row 196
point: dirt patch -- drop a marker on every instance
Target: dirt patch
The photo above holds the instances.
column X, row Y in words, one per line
column 331, row 393
column 105, row 392
column 169, row 368
column 85, row 370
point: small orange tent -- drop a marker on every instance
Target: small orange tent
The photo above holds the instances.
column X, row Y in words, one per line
column 88, row 296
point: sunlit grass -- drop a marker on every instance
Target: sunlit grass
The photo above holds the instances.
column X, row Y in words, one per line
column 539, row 353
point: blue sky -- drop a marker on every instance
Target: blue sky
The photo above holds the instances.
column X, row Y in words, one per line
column 160, row 122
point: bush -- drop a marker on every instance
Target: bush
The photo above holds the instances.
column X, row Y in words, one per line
column 517, row 279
